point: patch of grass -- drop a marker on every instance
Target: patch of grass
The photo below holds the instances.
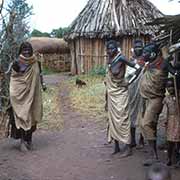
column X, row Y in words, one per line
column 52, row 118
column 99, row 70
column 48, row 71
column 90, row 99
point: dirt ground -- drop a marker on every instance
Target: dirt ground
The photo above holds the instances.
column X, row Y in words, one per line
column 78, row 152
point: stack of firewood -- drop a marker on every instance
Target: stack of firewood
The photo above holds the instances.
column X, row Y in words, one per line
column 169, row 27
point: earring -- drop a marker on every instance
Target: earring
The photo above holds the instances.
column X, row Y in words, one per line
column 153, row 55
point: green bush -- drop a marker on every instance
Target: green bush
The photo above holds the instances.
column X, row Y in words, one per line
column 98, row 70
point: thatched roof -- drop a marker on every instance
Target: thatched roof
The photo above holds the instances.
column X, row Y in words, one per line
column 49, row 45
column 170, row 26
column 109, row 18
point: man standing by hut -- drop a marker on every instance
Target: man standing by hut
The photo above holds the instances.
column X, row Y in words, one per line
column 152, row 88
column 117, row 92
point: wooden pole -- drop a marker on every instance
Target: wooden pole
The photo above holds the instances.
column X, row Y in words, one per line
column 177, row 95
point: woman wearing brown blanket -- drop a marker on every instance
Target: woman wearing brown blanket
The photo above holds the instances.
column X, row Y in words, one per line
column 25, row 96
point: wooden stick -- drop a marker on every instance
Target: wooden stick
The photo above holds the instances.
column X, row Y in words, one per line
column 177, row 96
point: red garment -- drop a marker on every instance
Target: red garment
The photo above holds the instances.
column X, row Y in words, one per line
column 157, row 64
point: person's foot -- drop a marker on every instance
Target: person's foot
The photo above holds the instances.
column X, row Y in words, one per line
column 116, row 147
column 169, row 162
column 140, row 146
column 176, row 165
column 141, row 141
column 116, row 151
column 23, row 147
column 126, row 153
column 29, row 146
column 150, row 162
column 162, row 147
column 152, row 151
column 133, row 144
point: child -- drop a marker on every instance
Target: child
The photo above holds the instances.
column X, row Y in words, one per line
column 173, row 122
column 158, row 172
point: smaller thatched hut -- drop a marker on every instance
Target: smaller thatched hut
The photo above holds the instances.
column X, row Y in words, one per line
column 56, row 53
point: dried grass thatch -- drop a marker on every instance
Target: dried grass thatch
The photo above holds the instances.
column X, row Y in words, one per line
column 170, row 26
column 47, row 45
column 112, row 18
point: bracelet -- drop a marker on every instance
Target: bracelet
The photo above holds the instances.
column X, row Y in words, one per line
column 137, row 66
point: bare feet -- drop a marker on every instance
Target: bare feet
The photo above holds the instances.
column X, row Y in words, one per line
column 116, row 151
column 116, row 147
column 139, row 146
column 23, row 147
column 127, row 152
column 150, row 162
column 29, row 146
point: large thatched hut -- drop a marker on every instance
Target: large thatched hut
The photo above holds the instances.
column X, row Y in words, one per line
column 123, row 20
column 56, row 53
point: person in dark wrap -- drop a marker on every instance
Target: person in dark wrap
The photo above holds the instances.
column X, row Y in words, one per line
column 135, row 99
column 25, row 96
column 152, row 89
column 117, row 99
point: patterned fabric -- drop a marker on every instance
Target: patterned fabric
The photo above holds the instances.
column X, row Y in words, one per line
column 173, row 121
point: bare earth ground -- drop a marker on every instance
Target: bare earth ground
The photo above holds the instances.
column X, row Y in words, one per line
column 78, row 152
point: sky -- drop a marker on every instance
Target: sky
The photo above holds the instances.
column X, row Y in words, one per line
column 53, row 14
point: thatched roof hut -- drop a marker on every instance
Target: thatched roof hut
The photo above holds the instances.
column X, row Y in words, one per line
column 123, row 20
column 46, row 45
column 56, row 53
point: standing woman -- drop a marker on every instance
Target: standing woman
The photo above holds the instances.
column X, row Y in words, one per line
column 117, row 95
column 135, row 99
column 25, row 96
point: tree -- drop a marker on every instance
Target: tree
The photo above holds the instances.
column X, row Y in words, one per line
column 13, row 32
column 55, row 33
column 59, row 33
column 37, row 33
column 15, row 28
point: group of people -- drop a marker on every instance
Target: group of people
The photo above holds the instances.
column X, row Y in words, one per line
column 135, row 99
column 137, row 89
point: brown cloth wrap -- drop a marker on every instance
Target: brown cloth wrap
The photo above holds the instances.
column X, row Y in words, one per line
column 152, row 89
column 26, row 97
column 118, row 121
